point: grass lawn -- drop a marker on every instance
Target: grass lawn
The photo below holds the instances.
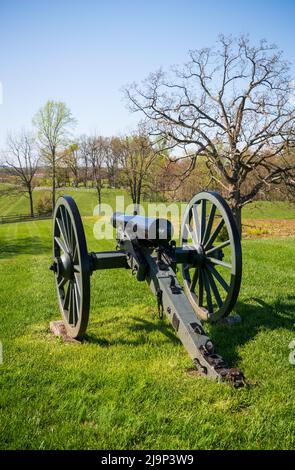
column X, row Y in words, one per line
column 127, row 385
column 87, row 200
column 269, row 210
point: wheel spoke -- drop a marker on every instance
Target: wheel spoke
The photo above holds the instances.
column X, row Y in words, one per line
column 220, row 263
column 74, row 312
column 209, row 224
column 78, row 282
column 214, row 289
column 67, row 297
column 71, row 235
column 194, row 280
column 67, row 227
column 63, row 232
column 70, row 232
column 208, row 292
column 77, row 268
column 77, row 301
column 71, row 307
column 64, row 221
column 215, row 233
column 203, row 219
column 218, row 276
column 192, row 234
column 196, row 223
column 200, row 290
column 61, row 244
column 218, row 247
column 75, row 253
column 62, row 282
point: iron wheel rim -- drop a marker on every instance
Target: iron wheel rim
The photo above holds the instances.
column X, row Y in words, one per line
column 72, row 276
column 220, row 293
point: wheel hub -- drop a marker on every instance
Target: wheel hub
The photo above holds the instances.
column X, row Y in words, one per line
column 200, row 258
column 65, row 266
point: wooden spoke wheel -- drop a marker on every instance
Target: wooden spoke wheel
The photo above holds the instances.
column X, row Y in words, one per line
column 71, row 266
column 213, row 282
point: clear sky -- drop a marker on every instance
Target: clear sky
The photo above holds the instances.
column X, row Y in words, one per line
column 83, row 51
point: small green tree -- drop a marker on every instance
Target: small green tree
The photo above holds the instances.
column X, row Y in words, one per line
column 70, row 159
column 53, row 123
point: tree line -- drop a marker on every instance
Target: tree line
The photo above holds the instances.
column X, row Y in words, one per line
column 93, row 161
column 224, row 120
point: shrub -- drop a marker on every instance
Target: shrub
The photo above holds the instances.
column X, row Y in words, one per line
column 44, row 204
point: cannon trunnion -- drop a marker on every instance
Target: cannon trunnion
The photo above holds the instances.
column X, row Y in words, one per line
column 211, row 266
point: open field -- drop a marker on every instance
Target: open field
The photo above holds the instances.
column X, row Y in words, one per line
column 87, row 200
column 127, row 386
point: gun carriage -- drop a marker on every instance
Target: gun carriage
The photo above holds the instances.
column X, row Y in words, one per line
column 209, row 255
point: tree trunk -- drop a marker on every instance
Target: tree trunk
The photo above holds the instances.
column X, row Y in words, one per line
column 110, row 179
column 115, row 178
column 98, row 189
column 133, row 196
column 138, row 197
column 85, row 175
column 53, row 183
column 31, row 202
column 136, row 209
column 53, row 191
column 237, row 213
column 234, row 203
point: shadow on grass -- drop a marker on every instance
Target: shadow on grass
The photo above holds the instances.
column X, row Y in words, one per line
column 256, row 316
column 23, row 246
column 141, row 326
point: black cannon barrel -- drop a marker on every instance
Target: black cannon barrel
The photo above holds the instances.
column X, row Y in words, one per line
column 143, row 228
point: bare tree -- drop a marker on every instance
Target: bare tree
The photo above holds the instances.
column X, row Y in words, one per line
column 21, row 160
column 231, row 104
column 111, row 161
column 52, row 123
column 96, row 146
column 84, row 155
column 136, row 155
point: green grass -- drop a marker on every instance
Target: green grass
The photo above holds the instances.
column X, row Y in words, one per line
column 87, row 200
column 127, row 386
column 269, row 210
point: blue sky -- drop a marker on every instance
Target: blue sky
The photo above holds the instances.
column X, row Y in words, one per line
column 82, row 52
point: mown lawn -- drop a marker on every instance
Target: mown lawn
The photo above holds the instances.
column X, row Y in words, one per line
column 86, row 198
column 269, row 210
column 87, row 201
column 127, row 386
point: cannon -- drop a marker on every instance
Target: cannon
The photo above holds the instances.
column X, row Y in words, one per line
column 210, row 259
